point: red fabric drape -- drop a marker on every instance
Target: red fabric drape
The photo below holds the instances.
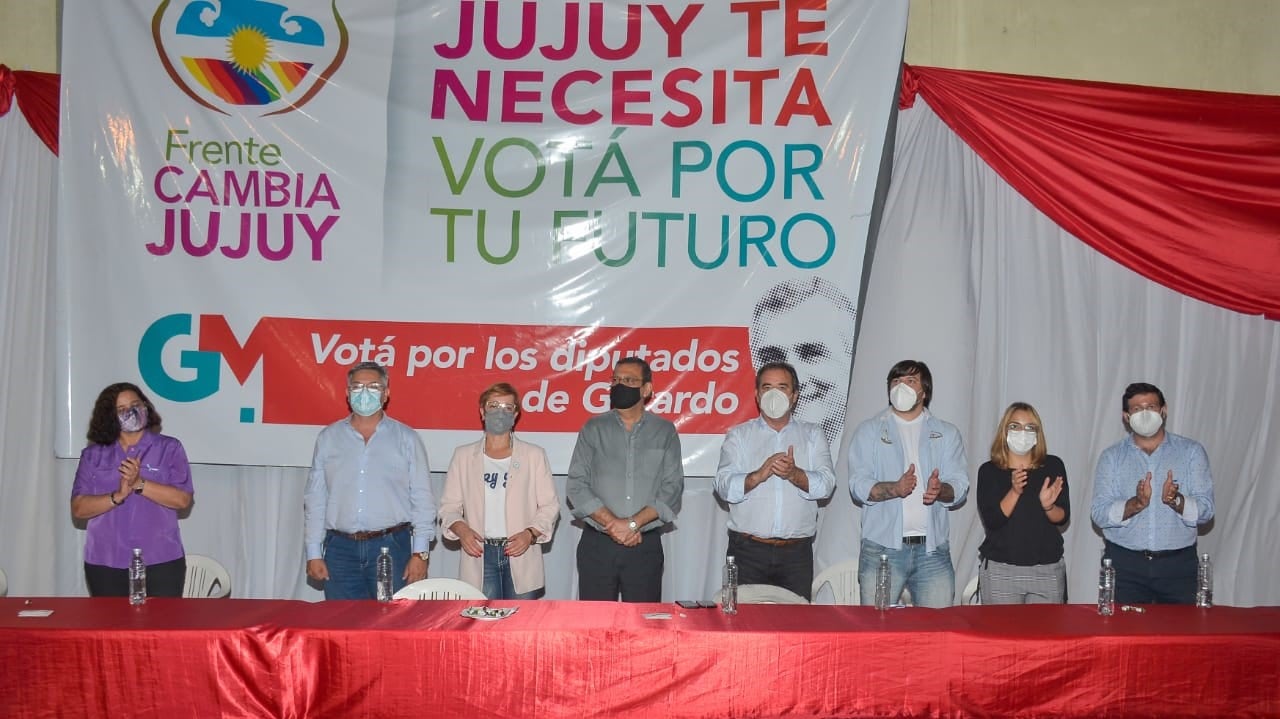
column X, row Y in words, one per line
column 37, row 94
column 1180, row 186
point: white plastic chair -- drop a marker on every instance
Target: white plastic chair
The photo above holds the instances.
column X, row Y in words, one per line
column 206, row 578
column 970, row 595
column 765, row 594
column 439, row 588
column 843, row 580
column 4, row 584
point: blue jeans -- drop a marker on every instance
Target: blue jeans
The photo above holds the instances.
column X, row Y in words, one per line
column 353, row 565
column 930, row 577
column 497, row 574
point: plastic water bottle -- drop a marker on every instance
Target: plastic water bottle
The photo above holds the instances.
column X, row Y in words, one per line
column 1107, row 589
column 729, row 592
column 384, row 575
column 137, row 578
column 1204, row 582
column 882, row 583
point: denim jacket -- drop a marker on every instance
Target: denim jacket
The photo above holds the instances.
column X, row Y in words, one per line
column 875, row 455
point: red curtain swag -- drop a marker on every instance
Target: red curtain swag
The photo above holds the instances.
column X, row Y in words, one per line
column 1180, row 186
column 37, row 94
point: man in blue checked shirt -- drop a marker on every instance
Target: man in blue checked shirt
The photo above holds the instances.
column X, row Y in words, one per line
column 1152, row 545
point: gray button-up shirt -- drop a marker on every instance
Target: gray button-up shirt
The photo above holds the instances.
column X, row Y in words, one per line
column 626, row 471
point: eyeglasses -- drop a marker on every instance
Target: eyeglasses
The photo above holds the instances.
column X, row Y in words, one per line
column 628, row 381
column 371, row 386
column 504, row 406
column 1015, row 427
column 1144, row 407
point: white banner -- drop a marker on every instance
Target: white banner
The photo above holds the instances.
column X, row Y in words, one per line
column 257, row 197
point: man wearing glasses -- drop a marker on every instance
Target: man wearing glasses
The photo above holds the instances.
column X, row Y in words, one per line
column 626, row 481
column 369, row 488
column 1152, row 544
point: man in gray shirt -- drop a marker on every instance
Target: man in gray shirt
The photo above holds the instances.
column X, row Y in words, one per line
column 626, row 481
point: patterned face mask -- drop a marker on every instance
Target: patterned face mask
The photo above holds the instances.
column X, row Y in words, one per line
column 498, row 421
column 133, row 419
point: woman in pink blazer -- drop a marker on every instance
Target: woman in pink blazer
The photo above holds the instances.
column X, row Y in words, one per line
column 499, row 501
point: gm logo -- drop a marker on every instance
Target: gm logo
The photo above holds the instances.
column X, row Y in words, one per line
column 239, row 54
column 215, row 343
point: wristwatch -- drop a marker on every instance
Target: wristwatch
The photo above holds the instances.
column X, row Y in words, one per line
column 424, row 556
column 631, row 524
column 141, row 483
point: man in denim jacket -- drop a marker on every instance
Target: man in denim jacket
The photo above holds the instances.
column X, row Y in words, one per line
column 907, row 469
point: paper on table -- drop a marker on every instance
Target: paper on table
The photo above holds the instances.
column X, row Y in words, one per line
column 34, row 612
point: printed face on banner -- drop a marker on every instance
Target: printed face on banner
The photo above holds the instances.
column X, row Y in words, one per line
column 526, row 192
column 809, row 324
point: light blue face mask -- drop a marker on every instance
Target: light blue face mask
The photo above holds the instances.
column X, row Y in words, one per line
column 365, row 402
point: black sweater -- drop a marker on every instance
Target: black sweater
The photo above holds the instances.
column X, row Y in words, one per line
column 1026, row 537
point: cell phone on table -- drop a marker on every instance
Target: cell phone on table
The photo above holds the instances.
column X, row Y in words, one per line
column 690, row 604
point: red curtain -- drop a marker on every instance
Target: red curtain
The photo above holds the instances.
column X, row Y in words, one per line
column 37, row 94
column 1180, row 186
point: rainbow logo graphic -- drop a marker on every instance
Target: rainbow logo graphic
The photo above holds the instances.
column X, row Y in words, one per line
column 248, row 54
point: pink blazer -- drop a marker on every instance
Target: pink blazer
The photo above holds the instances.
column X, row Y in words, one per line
column 531, row 502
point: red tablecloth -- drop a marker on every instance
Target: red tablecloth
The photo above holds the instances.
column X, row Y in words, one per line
column 256, row 658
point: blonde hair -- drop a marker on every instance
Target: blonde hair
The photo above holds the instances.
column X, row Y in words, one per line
column 999, row 446
column 497, row 390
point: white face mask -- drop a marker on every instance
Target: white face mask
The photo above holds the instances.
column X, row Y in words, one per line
column 775, row 403
column 903, row 397
column 1146, row 423
column 1020, row 441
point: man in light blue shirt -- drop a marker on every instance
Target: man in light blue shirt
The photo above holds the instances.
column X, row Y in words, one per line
column 773, row 471
column 369, row 488
column 1152, row 545
column 907, row 469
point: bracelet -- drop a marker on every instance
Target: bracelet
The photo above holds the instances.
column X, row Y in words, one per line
column 112, row 497
column 532, row 534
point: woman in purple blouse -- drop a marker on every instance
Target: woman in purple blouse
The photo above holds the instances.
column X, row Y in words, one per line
column 130, row 486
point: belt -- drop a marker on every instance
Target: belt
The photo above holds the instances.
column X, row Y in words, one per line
column 915, row 539
column 1150, row 554
column 362, row 536
column 495, row 541
column 774, row 541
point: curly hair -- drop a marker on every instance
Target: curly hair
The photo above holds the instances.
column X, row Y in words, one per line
column 104, row 425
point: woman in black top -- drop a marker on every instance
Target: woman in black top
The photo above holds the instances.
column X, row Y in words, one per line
column 1023, row 502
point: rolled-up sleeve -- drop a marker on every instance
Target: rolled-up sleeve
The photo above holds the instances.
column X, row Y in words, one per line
column 862, row 464
column 954, row 469
column 731, row 474
column 821, row 471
